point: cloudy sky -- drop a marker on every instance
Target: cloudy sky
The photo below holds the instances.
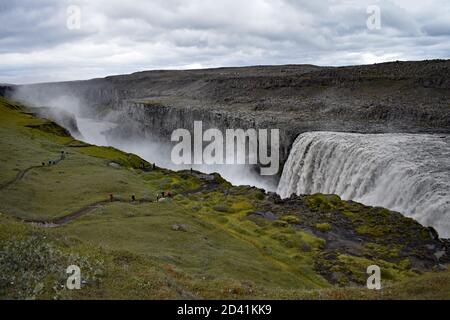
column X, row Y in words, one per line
column 52, row 40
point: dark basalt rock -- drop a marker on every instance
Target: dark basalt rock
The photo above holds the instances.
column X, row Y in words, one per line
column 349, row 229
column 363, row 232
column 6, row 90
column 388, row 97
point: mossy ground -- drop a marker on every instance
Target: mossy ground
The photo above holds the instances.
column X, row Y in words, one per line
column 131, row 250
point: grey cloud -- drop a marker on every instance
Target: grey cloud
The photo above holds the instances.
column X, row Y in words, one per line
column 126, row 36
column 438, row 28
column 30, row 25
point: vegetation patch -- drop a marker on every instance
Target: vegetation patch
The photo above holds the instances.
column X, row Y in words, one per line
column 322, row 202
column 51, row 127
column 323, row 227
column 208, row 240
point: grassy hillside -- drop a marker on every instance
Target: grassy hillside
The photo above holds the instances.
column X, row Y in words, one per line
column 211, row 240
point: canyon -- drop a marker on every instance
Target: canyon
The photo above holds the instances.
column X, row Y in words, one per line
column 146, row 107
column 389, row 97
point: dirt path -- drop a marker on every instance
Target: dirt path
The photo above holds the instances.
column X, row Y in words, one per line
column 21, row 174
column 18, row 177
column 59, row 221
column 80, row 212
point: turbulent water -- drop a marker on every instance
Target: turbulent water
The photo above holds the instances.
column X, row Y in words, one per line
column 408, row 173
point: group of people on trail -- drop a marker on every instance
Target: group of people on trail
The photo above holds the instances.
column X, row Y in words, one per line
column 143, row 166
column 159, row 196
column 53, row 162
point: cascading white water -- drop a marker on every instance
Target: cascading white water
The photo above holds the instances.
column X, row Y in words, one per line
column 408, row 173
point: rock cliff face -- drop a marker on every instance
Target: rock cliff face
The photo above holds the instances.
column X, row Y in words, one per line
column 388, row 97
column 6, row 89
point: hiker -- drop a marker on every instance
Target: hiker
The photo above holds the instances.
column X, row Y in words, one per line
column 111, row 197
column 157, row 197
column 133, row 198
column 191, row 170
column 169, row 194
column 62, row 155
column 154, row 166
column 163, row 194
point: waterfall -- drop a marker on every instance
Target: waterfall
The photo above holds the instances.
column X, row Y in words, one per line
column 408, row 173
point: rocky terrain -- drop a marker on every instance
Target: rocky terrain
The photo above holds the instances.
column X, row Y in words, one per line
column 65, row 202
column 387, row 97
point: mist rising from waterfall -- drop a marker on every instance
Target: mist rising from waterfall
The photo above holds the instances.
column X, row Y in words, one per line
column 409, row 173
column 97, row 130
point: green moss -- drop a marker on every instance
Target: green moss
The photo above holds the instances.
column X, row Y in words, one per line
column 425, row 234
column 222, row 208
column 241, row 206
column 280, row 224
column 51, row 127
column 9, row 104
column 291, row 219
column 221, row 219
column 388, row 252
column 324, row 227
column 285, row 240
column 405, row 264
column 115, row 155
column 354, row 269
column 372, row 230
column 323, row 202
